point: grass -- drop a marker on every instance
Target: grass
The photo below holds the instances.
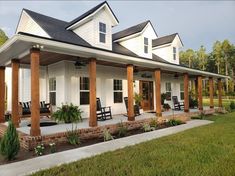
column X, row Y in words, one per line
column 226, row 102
column 203, row 151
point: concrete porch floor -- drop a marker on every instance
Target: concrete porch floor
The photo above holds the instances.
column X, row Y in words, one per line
column 62, row 127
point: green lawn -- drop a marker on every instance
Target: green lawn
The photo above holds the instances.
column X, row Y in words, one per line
column 226, row 102
column 203, row 151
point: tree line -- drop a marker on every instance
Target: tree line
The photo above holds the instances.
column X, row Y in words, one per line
column 220, row 60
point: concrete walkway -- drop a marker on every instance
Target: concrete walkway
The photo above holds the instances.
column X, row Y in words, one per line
column 31, row 165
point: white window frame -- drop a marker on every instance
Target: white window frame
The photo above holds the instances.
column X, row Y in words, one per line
column 168, row 91
column 146, row 45
column 120, row 90
column 83, row 90
column 102, row 32
column 174, row 53
column 52, row 88
column 181, row 90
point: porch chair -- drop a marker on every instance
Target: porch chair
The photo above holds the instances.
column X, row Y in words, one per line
column 102, row 112
column 25, row 109
column 136, row 108
column 177, row 104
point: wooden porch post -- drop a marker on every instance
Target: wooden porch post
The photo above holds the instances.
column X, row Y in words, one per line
column 2, row 94
column 35, row 100
column 200, row 105
column 15, row 92
column 211, row 87
column 92, row 96
column 130, row 113
column 186, row 95
column 220, row 93
column 157, row 75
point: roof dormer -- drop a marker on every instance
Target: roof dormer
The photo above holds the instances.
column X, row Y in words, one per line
column 95, row 26
column 137, row 39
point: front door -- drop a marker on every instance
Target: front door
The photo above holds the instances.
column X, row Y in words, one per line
column 146, row 90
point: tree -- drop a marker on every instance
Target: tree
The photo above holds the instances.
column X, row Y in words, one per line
column 10, row 144
column 188, row 58
column 217, row 55
column 3, row 37
column 202, row 58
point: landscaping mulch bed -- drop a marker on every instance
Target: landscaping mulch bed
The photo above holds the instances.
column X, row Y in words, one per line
column 25, row 154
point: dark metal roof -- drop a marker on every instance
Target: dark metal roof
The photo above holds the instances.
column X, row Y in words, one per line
column 130, row 31
column 159, row 59
column 117, row 48
column 163, row 40
column 89, row 12
column 56, row 28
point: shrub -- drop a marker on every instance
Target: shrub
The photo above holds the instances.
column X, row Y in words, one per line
column 10, row 144
column 52, row 147
column 73, row 136
column 39, row 150
column 232, row 105
column 228, row 108
column 173, row 122
column 153, row 123
column 68, row 113
column 107, row 135
column 146, row 127
column 122, row 130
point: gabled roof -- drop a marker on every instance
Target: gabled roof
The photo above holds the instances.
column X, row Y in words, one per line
column 117, row 48
column 131, row 30
column 159, row 59
column 56, row 28
column 164, row 40
column 89, row 12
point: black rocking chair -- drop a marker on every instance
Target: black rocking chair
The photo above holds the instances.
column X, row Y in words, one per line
column 177, row 104
column 102, row 112
column 136, row 108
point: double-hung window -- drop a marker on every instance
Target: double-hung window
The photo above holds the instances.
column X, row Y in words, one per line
column 52, row 91
column 181, row 91
column 174, row 53
column 168, row 91
column 117, row 91
column 146, row 45
column 84, row 90
column 102, row 32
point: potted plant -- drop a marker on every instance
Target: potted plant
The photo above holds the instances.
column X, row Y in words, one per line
column 163, row 98
column 166, row 106
column 138, row 98
column 68, row 113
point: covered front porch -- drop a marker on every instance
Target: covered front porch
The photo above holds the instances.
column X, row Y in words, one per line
column 36, row 52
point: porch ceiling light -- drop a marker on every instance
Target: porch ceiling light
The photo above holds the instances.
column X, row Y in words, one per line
column 176, row 76
column 79, row 64
column 38, row 46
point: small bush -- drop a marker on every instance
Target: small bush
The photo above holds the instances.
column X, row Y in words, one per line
column 173, row 122
column 52, row 147
column 107, row 135
column 146, row 127
column 122, row 130
column 228, row 108
column 39, row 150
column 10, row 144
column 73, row 136
column 232, row 105
column 153, row 123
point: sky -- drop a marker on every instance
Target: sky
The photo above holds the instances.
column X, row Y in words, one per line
column 197, row 22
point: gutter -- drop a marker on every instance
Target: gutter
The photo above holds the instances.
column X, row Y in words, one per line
column 96, row 52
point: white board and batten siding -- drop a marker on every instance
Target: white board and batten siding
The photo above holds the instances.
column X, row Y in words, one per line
column 136, row 43
column 28, row 25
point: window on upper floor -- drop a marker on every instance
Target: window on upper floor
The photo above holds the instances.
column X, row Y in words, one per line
column 146, row 45
column 174, row 53
column 102, row 32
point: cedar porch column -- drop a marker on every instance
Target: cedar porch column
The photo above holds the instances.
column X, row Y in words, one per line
column 92, row 97
column 15, row 92
column 186, row 95
column 157, row 75
column 220, row 93
column 211, row 87
column 199, row 80
column 130, row 109
column 35, row 100
column 2, row 94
